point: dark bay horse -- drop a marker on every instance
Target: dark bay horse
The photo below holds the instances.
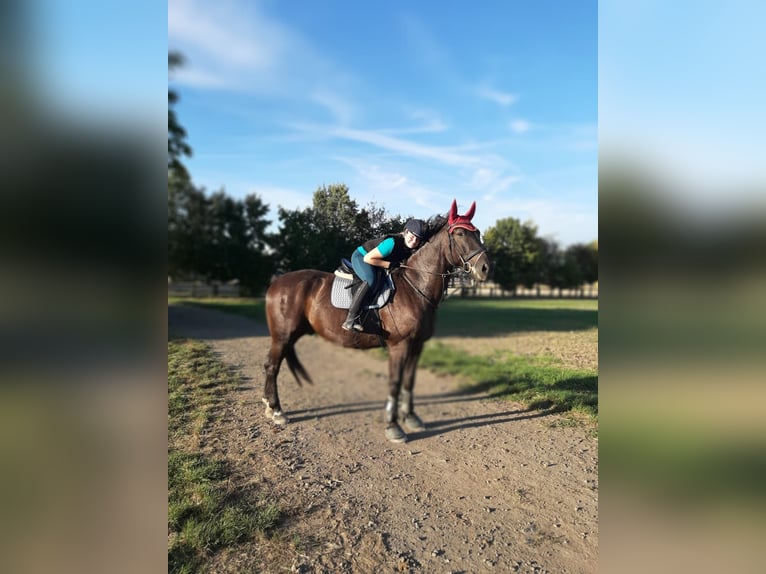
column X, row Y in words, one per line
column 298, row 303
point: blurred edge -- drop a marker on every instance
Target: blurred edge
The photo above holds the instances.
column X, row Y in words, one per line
column 682, row 322
column 82, row 316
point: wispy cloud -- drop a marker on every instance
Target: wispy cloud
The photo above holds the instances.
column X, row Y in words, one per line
column 519, row 126
column 428, row 121
column 342, row 110
column 236, row 45
column 405, row 147
column 217, row 37
column 501, row 98
column 278, row 196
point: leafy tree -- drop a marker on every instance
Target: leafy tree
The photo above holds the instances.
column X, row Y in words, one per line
column 188, row 228
column 294, row 244
column 319, row 236
column 218, row 238
column 552, row 269
column 237, row 241
column 177, row 146
column 584, row 261
column 515, row 252
column 379, row 223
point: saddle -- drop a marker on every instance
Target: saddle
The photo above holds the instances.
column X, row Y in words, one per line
column 346, row 282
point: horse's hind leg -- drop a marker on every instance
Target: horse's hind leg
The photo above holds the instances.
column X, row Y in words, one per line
column 270, row 393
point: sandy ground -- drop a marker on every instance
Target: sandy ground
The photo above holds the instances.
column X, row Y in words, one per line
column 488, row 487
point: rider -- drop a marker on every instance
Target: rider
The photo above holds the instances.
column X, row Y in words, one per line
column 386, row 252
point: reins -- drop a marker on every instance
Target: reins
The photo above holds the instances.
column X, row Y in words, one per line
column 463, row 269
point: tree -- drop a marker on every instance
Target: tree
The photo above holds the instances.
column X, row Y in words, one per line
column 552, row 268
column 319, row 236
column 237, row 244
column 177, row 146
column 515, row 252
column 188, row 228
column 217, row 238
column 584, row 258
column 379, row 222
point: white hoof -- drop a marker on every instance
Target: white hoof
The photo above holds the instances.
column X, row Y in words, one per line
column 277, row 416
column 413, row 423
column 394, row 433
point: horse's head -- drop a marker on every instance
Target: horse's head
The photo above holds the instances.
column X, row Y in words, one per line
column 466, row 249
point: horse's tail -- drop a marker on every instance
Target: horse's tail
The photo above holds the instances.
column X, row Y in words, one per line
column 296, row 367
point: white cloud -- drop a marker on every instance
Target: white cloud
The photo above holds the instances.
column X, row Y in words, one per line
column 235, row 45
column 431, row 122
column 502, row 98
column 405, row 147
column 342, row 110
column 220, row 34
column 519, row 126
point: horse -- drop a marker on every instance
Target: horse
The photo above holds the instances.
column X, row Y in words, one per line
column 298, row 303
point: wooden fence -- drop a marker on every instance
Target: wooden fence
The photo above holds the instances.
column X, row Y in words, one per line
column 201, row 289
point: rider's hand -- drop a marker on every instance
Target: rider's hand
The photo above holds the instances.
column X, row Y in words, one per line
column 393, row 265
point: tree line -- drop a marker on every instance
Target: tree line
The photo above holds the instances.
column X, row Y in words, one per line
column 215, row 238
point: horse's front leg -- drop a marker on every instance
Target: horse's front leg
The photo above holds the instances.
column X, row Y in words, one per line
column 407, row 416
column 396, row 363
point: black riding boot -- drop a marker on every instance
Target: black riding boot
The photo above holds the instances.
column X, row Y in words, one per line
column 352, row 319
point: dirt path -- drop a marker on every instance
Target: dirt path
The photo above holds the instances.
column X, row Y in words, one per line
column 488, row 487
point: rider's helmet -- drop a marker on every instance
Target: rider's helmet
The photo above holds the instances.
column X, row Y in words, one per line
column 417, row 227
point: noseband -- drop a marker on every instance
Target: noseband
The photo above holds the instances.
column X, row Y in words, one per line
column 466, row 265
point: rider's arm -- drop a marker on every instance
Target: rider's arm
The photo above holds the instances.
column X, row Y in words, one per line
column 377, row 256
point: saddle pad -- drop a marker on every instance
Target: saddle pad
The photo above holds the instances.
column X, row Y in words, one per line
column 341, row 297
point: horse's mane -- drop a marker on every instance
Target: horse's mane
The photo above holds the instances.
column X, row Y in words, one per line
column 434, row 224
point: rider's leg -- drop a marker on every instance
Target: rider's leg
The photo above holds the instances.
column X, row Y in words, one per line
column 368, row 275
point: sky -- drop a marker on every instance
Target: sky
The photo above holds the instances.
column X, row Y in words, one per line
column 410, row 104
column 682, row 89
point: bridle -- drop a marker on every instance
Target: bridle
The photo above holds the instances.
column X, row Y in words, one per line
column 464, row 268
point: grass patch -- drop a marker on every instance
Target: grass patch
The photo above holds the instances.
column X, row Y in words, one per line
column 538, row 383
column 689, row 465
column 461, row 317
column 207, row 511
column 489, row 317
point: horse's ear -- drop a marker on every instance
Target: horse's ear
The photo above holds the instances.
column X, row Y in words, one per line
column 469, row 214
column 452, row 212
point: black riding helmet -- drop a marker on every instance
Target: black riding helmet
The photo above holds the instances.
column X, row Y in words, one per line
column 417, row 227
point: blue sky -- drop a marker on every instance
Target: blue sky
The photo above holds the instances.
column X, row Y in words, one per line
column 682, row 89
column 410, row 104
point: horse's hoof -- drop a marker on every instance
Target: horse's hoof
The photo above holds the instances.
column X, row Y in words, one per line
column 394, row 433
column 276, row 416
column 279, row 418
column 413, row 423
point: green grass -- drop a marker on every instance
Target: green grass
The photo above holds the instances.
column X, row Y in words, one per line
column 538, row 383
column 461, row 317
column 687, row 464
column 488, row 317
column 206, row 510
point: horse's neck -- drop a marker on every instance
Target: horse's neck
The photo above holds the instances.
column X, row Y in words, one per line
column 432, row 263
